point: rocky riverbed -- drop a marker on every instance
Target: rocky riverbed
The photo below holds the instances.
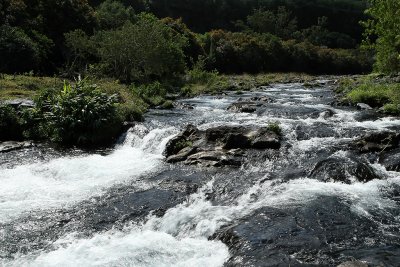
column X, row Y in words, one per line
column 278, row 176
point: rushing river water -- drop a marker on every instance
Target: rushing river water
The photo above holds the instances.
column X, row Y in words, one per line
column 127, row 207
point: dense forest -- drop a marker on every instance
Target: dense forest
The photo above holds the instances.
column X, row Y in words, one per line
column 231, row 36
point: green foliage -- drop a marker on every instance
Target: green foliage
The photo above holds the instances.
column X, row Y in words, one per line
column 392, row 109
column 198, row 75
column 375, row 95
column 280, row 23
column 192, row 48
column 153, row 93
column 255, row 53
column 275, row 127
column 383, row 34
column 182, row 144
column 320, row 35
column 20, row 52
column 10, row 124
column 143, row 51
column 113, row 14
column 81, row 50
column 80, row 115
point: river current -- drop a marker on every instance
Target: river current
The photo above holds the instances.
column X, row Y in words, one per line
column 127, row 207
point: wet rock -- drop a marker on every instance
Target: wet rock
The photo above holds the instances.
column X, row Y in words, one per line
column 367, row 115
column 182, row 155
column 213, row 159
column 12, row 145
column 244, row 107
column 219, row 146
column 264, row 99
column 181, row 141
column 301, row 236
column 236, row 140
column 264, row 139
column 391, row 160
column 327, row 114
column 343, row 170
column 127, row 125
column 221, row 132
column 362, row 106
column 179, row 105
column 377, row 142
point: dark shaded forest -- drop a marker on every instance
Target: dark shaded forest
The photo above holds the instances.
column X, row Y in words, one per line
column 231, row 36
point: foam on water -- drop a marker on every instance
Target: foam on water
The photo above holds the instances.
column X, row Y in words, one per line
column 68, row 180
column 179, row 238
column 135, row 248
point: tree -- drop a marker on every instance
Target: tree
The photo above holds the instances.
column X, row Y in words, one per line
column 383, row 34
column 18, row 52
column 113, row 14
column 279, row 23
column 142, row 51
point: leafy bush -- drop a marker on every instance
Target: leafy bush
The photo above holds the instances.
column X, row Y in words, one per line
column 375, row 95
column 198, row 75
column 153, row 93
column 80, row 115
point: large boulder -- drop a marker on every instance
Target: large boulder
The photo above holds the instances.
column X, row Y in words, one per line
column 183, row 140
column 264, row 139
column 344, row 170
column 378, row 142
column 319, row 233
column 219, row 146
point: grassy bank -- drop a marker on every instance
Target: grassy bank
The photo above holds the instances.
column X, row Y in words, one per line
column 378, row 91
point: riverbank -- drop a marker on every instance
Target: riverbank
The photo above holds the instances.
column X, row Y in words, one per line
column 372, row 91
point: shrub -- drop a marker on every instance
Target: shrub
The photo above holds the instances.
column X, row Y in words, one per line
column 80, row 115
column 375, row 95
column 153, row 93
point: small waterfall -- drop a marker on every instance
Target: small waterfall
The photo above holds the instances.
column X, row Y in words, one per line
column 66, row 181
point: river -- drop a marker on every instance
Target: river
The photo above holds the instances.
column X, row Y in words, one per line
column 127, row 207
